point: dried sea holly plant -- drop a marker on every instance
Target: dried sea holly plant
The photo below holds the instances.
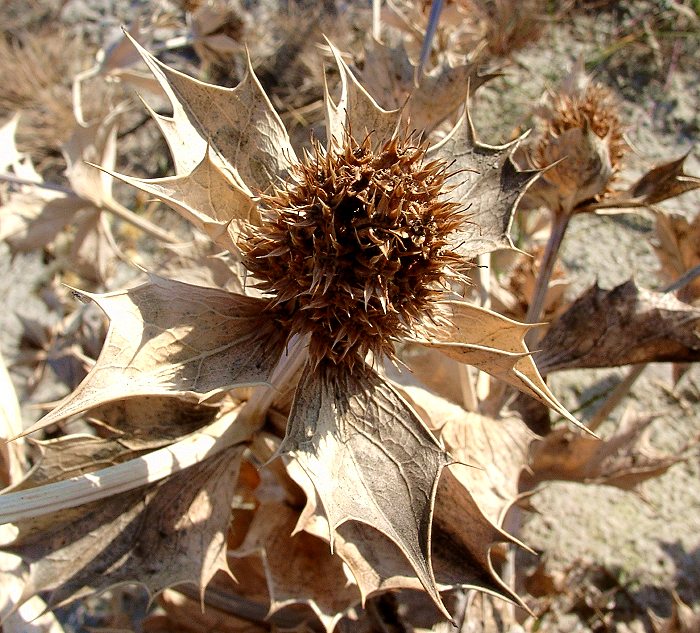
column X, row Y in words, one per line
column 348, row 251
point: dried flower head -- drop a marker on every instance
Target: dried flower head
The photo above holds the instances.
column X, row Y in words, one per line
column 581, row 131
column 355, row 246
column 594, row 106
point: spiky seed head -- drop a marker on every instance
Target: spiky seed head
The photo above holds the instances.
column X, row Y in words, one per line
column 354, row 246
column 583, row 131
column 596, row 107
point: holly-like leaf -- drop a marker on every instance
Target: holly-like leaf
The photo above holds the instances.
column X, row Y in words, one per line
column 370, row 458
column 170, row 338
column 488, row 185
column 492, row 343
column 239, row 124
column 207, row 197
column 94, row 143
column 625, row 325
column 93, row 249
column 169, row 533
column 31, row 219
column 623, row 460
column 491, row 452
column 678, row 250
column 356, row 111
column 299, row 569
column 203, row 263
column 150, row 422
column 461, row 539
column 389, row 75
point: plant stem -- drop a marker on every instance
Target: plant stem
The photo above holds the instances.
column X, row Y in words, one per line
column 615, row 397
column 534, row 312
column 142, row 223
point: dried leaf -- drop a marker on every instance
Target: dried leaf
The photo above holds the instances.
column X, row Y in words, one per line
column 9, row 155
column 169, row 533
column 664, row 181
column 170, row 338
column 608, row 328
column 461, row 539
column 151, row 421
column 678, row 250
column 201, row 263
column 315, row 577
column 31, row 219
column 492, row 343
column 490, row 186
column 356, row 111
column 93, row 250
column 623, row 460
column 12, row 460
column 184, row 615
column 239, row 124
column 208, row 198
column 370, row 458
column 389, row 75
column 34, row 216
column 491, row 452
column 74, row 455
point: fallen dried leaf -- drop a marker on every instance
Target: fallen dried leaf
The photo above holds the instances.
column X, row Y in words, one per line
column 623, row 460
column 165, row 534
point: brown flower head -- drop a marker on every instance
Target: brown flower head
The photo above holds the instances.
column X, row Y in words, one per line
column 582, row 130
column 594, row 106
column 354, row 246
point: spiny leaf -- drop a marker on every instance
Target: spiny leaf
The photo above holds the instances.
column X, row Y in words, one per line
column 493, row 343
column 389, row 75
column 621, row 460
column 170, row 338
column 150, row 422
column 239, row 124
column 664, row 181
column 356, row 112
column 461, row 539
column 678, row 250
column 168, row 533
column 492, row 452
column 96, row 143
column 315, row 578
column 489, row 186
column 207, row 197
column 609, row 328
column 357, row 440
